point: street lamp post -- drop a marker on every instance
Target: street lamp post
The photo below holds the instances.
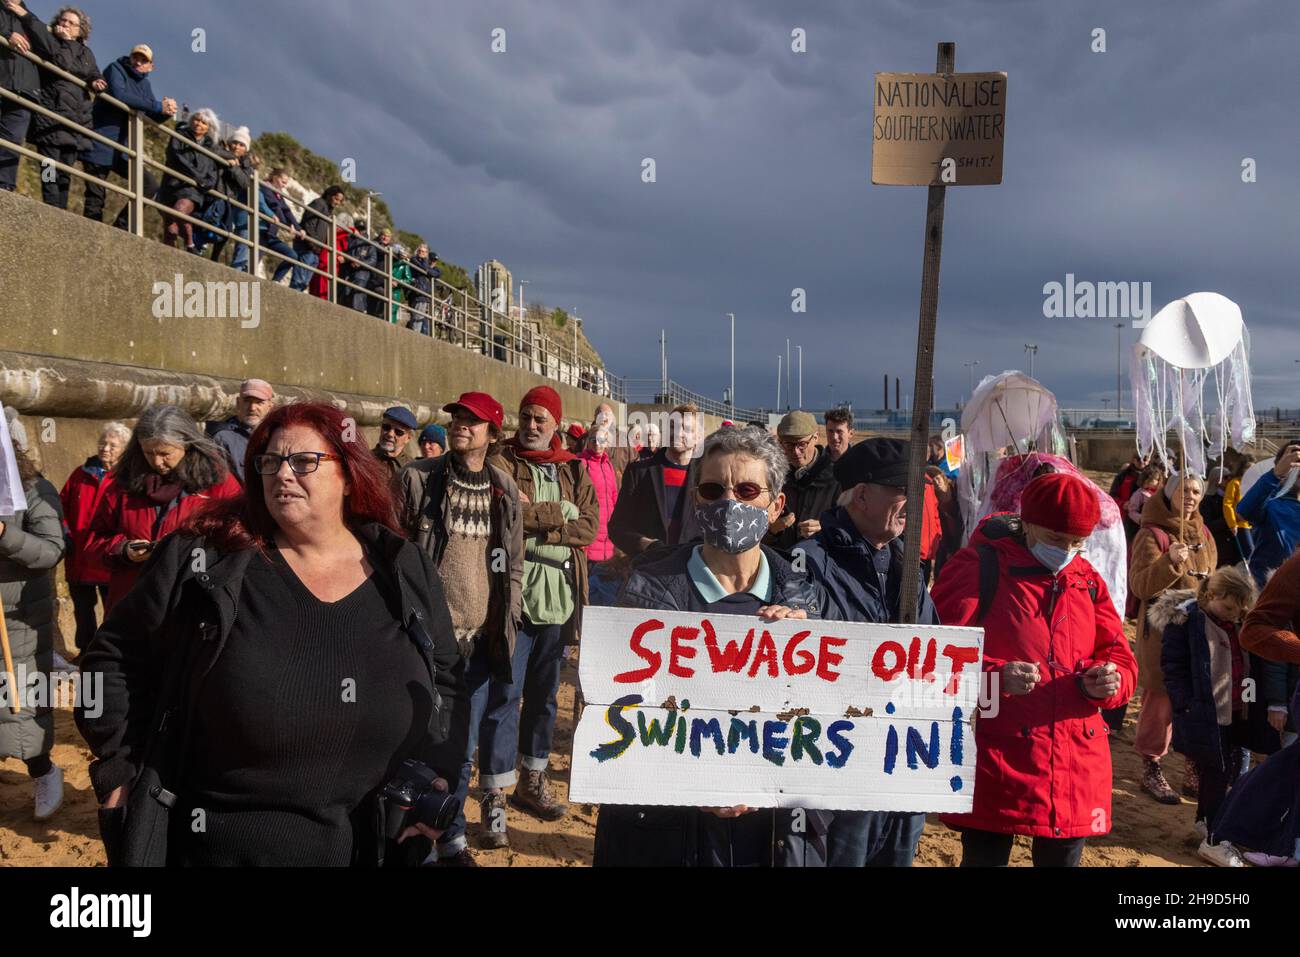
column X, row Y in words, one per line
column 778, row 382
column 519, row 328
column 1119, row 363
column 731, row 394
column 800, row 348
column 971, row 366
column 787, row 372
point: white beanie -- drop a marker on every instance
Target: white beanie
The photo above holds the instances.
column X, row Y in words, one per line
column 241, row 136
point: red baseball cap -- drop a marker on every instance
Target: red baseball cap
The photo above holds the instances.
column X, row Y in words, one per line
column 480, row 404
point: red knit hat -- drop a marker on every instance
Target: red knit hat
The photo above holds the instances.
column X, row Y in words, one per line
column 1062, row 502
column 544, row 396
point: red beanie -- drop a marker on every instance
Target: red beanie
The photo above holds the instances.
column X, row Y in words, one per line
column 544, row 396
column 1062, row 502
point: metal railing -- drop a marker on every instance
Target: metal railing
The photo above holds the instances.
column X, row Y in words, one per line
column 444, row 311
column 669, row 392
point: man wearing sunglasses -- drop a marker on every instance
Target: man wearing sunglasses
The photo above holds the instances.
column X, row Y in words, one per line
column 395, row 431
column 653, row 506
column 857, row 556
column 464, row 514
column 811, row 487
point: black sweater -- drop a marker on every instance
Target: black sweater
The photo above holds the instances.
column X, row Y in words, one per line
column 174, row 605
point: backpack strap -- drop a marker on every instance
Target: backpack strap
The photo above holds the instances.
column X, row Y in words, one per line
column 990, row 571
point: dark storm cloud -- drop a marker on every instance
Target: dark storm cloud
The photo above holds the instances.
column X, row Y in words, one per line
column 1119, row 166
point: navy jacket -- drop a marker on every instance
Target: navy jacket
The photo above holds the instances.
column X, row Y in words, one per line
column 1185, row 663
column 838, row 559
column 658, row 836
column 279, row 208
column 133, row 89
column 1262, row 810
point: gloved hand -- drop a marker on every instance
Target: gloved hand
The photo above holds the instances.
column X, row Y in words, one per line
column 568, row 510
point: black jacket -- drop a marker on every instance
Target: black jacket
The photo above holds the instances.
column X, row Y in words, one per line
column 641, row 509
column 17, row 73
column 629, row 835
column 174, row 608
column 183, row 156
column 318, row 223
column 62, row 96
column 808, row 493
column 234, row 181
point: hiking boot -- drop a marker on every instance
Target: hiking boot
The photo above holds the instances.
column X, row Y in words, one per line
column 1154, row 783
column 533, row 794
column 462, row 858
column 492, row 833
column 1191, row 781
column 1222, row 854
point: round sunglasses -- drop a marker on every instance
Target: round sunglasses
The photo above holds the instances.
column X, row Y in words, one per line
column 745, row 491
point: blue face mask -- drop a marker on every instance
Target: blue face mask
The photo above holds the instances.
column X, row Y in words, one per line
column 1053, row 557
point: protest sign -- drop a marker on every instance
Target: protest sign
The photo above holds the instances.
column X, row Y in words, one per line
column 922, row 120
column 12, row 497
column 954, row 451
column 719, row 710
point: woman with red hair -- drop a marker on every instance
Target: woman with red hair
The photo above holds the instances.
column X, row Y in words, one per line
column 292, row 647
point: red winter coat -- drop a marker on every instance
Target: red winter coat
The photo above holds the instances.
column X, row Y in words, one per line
column 81, row 494
column 1042, row 766
column 122, row 517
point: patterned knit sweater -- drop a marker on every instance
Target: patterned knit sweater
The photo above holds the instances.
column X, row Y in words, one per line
column 467, row 514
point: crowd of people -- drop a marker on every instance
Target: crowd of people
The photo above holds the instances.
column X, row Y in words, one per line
column 292, row 620
column 205, row 190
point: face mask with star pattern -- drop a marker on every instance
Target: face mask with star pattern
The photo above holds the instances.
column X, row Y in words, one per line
column 730, row 526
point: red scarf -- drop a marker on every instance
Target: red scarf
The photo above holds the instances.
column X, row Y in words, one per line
column 550, row 456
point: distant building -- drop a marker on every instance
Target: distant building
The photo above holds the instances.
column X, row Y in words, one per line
column 492, row 282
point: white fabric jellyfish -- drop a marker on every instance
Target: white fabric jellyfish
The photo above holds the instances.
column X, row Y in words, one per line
column 1195, row 347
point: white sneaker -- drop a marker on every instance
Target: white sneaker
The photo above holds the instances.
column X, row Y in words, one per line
column 1199, row 827
column 1222, row 854
column 49, row 793
column 62, row 665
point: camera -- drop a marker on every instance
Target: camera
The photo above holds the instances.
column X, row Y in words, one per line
column 410, row 798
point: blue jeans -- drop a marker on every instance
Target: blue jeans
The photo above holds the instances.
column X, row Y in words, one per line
column 301, row 277
column 239, row 259
column 874, row 838
column 476, row 725
column 539, row 653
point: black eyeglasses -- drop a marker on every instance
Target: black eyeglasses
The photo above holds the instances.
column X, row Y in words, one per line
column 745, row 491
column 300, row 462
column 395, row 429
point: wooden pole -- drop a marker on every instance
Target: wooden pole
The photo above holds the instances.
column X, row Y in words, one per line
column 923, row 388
column 11, row 683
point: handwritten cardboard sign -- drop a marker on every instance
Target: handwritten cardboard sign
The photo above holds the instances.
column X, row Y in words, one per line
column 921, row 120
column 712, row 710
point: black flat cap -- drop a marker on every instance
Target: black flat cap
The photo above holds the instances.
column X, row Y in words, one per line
column 875, row 462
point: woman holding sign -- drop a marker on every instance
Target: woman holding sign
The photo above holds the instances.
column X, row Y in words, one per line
column 736, row 496
column 1056, row 651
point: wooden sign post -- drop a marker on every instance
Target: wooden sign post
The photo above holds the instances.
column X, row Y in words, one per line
column 933, row 129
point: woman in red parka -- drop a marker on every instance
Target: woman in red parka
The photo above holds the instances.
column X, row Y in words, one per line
column 87, row 579
column 169, row 471
column 1057, row 646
